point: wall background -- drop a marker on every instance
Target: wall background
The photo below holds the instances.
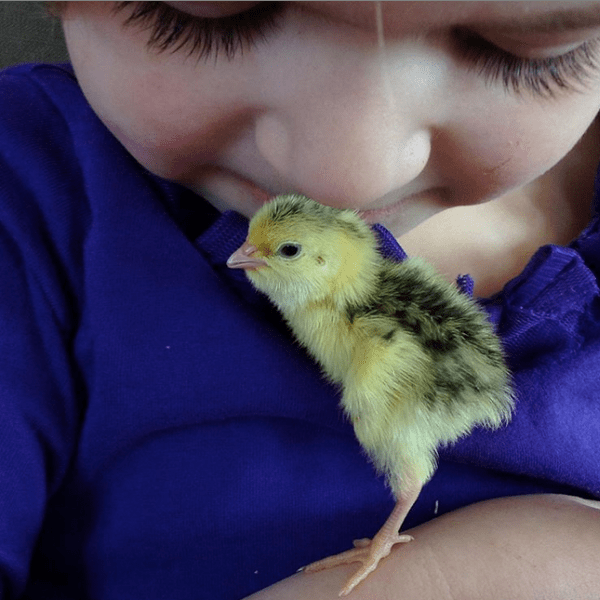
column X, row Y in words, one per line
column 28, row 33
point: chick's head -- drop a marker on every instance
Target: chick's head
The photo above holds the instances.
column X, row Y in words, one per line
column 299, row 251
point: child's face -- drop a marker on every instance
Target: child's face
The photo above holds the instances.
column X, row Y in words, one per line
column 431, row 119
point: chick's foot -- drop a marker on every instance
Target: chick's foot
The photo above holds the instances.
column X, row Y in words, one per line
column 368, row 552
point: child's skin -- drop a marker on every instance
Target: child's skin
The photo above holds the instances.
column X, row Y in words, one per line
column 317, row 109
column 541, row 547
column 402, row 134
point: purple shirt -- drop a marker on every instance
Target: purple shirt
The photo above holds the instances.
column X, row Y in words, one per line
column 162, row 436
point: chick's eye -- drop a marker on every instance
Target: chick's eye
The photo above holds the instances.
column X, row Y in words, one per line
column 289, row 250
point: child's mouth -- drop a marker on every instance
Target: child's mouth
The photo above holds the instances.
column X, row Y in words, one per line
column 400, row 216
column 229, row 190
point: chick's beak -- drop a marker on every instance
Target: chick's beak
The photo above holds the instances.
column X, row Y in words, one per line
column 242, row 258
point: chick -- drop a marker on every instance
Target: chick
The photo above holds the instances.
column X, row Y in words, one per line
column 417, row 362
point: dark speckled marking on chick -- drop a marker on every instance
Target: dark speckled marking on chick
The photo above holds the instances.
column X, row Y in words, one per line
column 442, row 321
column 421, row 307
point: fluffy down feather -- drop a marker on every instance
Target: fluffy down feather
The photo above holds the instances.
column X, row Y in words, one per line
column 418, row 362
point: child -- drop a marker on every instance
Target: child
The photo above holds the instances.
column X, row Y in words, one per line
column 162, row 436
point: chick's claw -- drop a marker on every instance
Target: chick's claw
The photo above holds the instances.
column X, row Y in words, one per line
column 368, row 552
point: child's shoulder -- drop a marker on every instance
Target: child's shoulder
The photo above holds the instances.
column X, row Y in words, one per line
column 38, row 71
column 29, row 88
column 42, row 112
column 53, row 147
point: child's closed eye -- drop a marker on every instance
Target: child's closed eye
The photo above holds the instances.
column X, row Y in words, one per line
column 541, row 76
column 172, row 29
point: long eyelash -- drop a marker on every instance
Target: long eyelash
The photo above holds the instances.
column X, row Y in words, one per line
column 541, row 76
column 173, row 30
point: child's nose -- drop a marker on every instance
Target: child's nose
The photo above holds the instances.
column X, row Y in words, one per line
column 344, row 162
column 344, row 137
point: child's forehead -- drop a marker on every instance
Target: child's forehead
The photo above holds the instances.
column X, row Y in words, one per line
column 407, row 17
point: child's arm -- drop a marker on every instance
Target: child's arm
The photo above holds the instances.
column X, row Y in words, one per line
column 523, row 548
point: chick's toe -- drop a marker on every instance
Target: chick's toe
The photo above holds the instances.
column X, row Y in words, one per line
column 367, row 552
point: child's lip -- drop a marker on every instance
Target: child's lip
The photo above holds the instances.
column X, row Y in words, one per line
column 260, row 194
column 227, row 188
column 430, row 196
column 397, row 215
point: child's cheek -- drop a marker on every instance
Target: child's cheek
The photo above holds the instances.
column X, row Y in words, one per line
column 513, row 143
column 169, row 111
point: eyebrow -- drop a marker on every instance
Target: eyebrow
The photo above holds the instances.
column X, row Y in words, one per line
column 568, row 19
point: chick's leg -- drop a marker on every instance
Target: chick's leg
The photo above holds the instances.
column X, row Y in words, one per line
column 370, row 552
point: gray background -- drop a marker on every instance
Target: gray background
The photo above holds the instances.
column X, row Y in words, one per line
column 28, row 33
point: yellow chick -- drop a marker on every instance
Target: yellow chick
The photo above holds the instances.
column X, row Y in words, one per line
column 418, row 363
